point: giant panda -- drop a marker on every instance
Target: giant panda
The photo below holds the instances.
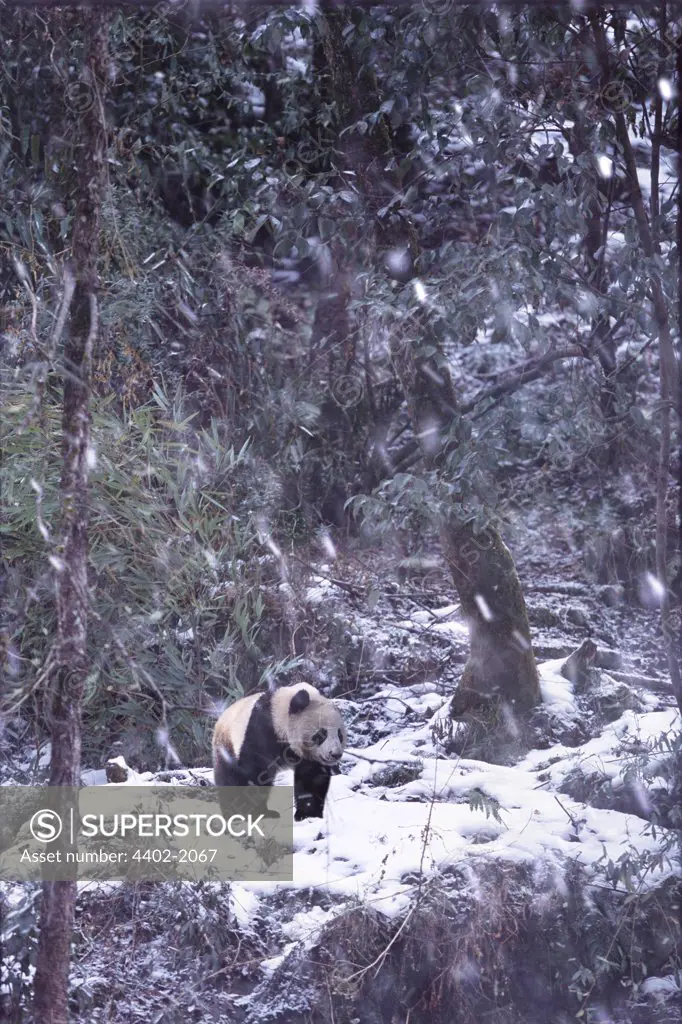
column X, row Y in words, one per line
column 286, row 727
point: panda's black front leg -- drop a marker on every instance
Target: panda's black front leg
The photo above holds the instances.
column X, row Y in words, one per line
column 311, row 784
column 253, row 798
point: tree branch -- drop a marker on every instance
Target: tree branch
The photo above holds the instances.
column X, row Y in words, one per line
column 532, row 370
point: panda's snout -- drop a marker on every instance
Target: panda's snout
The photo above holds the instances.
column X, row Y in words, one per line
column 335, row 755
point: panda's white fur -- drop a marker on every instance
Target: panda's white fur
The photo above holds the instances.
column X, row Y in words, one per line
column 230, row 729
column 287, row 727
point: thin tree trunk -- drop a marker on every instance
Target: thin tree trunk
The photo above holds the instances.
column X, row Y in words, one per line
column 351, row 91
column 669, row 373
column 596, row 233
column 67, row 682
column 658, row 127
column 677, row 586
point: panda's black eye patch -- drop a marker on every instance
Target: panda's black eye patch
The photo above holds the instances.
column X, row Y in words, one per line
column 341, row 735
column 319, row 737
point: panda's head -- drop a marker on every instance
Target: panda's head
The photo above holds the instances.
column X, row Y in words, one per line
column 310, row 724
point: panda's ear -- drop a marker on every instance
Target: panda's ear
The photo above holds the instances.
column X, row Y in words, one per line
column 299, row 702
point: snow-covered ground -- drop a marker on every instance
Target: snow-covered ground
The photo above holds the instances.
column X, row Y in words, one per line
column 378, row 839
column 404, row 810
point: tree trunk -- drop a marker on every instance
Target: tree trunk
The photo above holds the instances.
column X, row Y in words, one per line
column 501, row 661
column 359, row 159
column 501, row 673
column 669, row 369
column 70, row 657
column 677, row 585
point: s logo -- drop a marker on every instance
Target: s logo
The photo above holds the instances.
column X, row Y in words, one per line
column 46, row 826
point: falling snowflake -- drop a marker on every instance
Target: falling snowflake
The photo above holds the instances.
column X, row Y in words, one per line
column 520, row 640
column 430, row 437
column 510, row 720
column 641, row 796
column 328, row 545
column 665, row 89
column 398, row 261
column 419, row 291
column 605, row 165
column 163, row 740
column 273, row 547
column 651, row 591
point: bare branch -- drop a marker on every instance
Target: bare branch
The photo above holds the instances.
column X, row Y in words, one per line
column 532, row 370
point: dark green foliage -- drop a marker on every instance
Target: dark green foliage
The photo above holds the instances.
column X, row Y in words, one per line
column 233, row 152
column 177, row 568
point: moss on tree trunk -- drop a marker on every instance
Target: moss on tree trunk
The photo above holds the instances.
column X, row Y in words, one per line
column 501, row 674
